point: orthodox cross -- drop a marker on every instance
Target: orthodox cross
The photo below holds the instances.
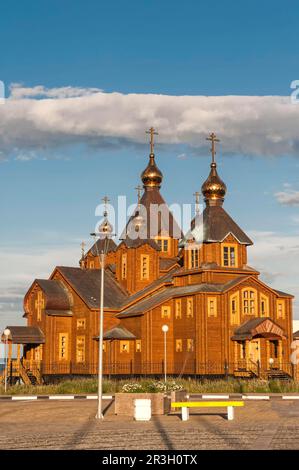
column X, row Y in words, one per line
column 152, row 132
column 197, row 195
column 212, row 138
column 139, row 189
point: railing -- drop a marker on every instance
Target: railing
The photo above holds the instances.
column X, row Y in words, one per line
column 24, row 369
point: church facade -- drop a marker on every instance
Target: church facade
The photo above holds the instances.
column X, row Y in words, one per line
column 221, row 318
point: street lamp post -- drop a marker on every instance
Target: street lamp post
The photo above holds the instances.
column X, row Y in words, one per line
column 6, row 334
column 165, row 330
column 104, row 233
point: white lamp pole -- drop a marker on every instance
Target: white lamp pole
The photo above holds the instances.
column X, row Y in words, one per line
column 165, row 329
column 104, row 233
column 6, row 334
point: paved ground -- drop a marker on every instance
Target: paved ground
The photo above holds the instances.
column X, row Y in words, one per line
column 71, row 425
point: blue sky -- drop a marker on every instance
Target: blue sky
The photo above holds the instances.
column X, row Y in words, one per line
column 52, row 178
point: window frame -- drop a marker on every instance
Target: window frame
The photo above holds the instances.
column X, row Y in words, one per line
column 214, row 300
column 229, row 246
column 60, row 346
column 189, row 314
column 146, row 276
column 82, row 349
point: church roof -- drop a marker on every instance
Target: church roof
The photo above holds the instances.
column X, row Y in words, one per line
column 118, row 332
column 165, row 222
column 167, row 263
column 257, row 326
column 98, row 246
column 87, row 284
column 56, row 296
column 217, row 225
column 130, row 243
column 166, row 294
column 25, row 335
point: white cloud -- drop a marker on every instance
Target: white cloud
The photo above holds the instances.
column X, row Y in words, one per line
column 276, row 256
column 288, row 198
column 40, row 118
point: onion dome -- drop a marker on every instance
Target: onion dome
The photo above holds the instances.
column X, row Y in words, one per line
column 152, row 177
column 214, row 189
column 105, row 229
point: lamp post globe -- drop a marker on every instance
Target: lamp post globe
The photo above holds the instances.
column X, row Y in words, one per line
column 6, row 332
column 165, row 328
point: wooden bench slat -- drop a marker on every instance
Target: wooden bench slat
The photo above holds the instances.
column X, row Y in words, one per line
column 206, row 404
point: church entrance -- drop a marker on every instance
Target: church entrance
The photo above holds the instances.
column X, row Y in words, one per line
column 255, row 350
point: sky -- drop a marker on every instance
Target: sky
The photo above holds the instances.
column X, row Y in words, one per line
column 84, row 80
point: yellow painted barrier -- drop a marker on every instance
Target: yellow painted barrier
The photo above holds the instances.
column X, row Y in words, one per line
column 205, row 404
column 185, row 405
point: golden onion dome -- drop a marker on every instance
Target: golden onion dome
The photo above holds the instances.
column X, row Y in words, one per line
column 213, row 189
column 152, row 176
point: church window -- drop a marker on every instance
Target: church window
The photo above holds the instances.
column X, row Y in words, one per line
column 138, row 345
column 178, row 308
column 280, row 309
column 91, row 265
column 264, row 306
column 229, row 256
column 165, row 311
column 190, row 345
column 190, row 307
column 194, row 258
column 124, row 347
column 104, row 346
column 234, row 309
column 144, row 267
column 80, row 349
column 212, row 307
column 178, row 345
column 163, row 244
column 124, row 266
column 249, row 302
column 39, row 305
column 81, row 323
column 63, row 346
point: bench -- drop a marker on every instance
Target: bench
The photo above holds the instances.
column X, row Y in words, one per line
column 185, row 405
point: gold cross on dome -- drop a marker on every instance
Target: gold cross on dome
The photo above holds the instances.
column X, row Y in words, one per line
column 152, row 133
column 212, row 138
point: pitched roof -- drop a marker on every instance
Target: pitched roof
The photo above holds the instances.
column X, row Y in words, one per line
column 135, row 243
column 168, row 263
column 254, row 327
column 296, row 335
column 217, row 224
column 25, row 335
column 56, row 295
column 119, row 332
column 87, row 283
column 100, row 245
column 165, row 223
column 166, row 294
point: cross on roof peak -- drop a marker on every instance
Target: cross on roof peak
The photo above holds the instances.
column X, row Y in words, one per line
column 212, row 138
column 152, row 133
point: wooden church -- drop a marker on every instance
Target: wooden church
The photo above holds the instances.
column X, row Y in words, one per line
column 222, row 319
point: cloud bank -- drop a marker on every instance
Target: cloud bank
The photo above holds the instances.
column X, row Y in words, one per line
column 38, row 118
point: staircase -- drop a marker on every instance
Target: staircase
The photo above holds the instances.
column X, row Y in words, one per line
column 276, row 374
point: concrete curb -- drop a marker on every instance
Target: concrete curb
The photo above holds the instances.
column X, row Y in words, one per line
column 205, row 396
column 51, row 397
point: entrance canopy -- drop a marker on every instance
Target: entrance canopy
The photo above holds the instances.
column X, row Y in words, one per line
column 258, row 328
column 24, row 335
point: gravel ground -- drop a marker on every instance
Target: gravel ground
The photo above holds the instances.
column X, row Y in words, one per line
column 72, row 425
